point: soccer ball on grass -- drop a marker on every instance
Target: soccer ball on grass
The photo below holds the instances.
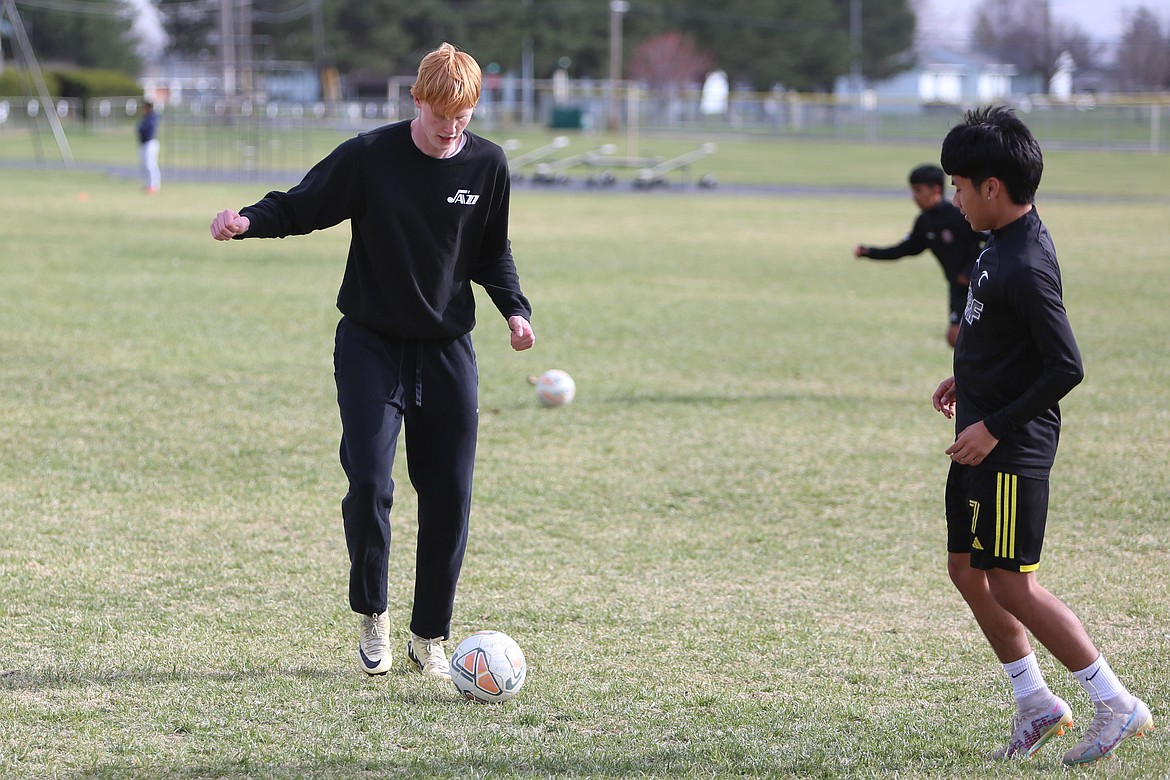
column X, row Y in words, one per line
column 488, row 667
column 554, row 387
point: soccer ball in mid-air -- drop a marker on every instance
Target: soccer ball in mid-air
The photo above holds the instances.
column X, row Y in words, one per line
column 555, row 388
column 488, row 667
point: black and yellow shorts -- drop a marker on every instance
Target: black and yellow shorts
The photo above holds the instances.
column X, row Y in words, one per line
column 997, row 517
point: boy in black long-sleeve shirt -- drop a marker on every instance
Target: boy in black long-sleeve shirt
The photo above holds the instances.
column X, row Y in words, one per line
column 940, row 227
column 427, row 204
column 1014, row 360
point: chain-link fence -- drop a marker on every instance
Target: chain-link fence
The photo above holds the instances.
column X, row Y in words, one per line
column 247, row 139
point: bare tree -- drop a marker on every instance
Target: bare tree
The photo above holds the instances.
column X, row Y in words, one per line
column 1030, row 36
column 669, row 60
column 1143, row 57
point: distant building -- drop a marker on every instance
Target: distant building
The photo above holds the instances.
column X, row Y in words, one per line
column 178, row 81
column 944, row 77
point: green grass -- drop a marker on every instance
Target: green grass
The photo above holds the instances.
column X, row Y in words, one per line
column 738, row 160
column 725, row 558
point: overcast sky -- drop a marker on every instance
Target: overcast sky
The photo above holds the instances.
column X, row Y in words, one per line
column 1102, row 20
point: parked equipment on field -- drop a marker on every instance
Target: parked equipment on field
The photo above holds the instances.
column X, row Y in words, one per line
column 606, row 178
column 655, row 176
column 519, row 161
column 554, row 172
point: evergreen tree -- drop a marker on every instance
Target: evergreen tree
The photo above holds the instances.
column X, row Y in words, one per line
column 84, row 35
column 802, row 44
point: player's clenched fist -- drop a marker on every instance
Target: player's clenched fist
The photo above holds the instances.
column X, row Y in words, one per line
column 227, row 225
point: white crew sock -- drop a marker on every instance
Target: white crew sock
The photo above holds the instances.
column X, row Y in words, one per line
column 1100, row 682
column 1025, row 676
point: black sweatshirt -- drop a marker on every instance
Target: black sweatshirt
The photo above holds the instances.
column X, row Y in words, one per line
column 1016, row 356
column 421, row 230
column 945, row 232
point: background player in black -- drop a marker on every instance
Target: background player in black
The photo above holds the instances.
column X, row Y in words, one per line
column 940, row 227
column 148, row 149
column 1015, row 359
column 427, row 204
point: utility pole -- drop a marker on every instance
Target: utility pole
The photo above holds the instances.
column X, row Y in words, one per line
column 244, row 53
column 527, row 68
column 227, row 47
column 326, row 73
column 855, row 45
column 617, row 9
column 318, row 38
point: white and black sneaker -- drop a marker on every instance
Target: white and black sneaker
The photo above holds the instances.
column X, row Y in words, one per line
column 429, row 657
column 374, row 644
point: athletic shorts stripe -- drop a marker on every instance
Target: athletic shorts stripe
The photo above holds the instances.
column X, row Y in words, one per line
column 1005, row 515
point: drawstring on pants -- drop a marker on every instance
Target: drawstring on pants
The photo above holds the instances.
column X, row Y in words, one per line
column 418, row 372
column 418, row 376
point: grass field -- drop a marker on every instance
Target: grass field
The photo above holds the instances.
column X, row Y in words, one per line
column 249, row 154
column 725, row 558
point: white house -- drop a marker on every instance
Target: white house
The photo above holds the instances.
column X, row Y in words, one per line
column 944, row 77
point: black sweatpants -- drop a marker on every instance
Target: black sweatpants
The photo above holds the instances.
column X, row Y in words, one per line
column 432, row 387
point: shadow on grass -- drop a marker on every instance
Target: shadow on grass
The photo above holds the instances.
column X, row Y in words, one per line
column 661, row 762
column 713, row 400
column 54, row 678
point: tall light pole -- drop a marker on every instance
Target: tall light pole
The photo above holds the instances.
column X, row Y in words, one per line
column 227, row 46
column 527, row 70
column 318, row 38
column 245, row 56
column 855, row 44
column 617, row 9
